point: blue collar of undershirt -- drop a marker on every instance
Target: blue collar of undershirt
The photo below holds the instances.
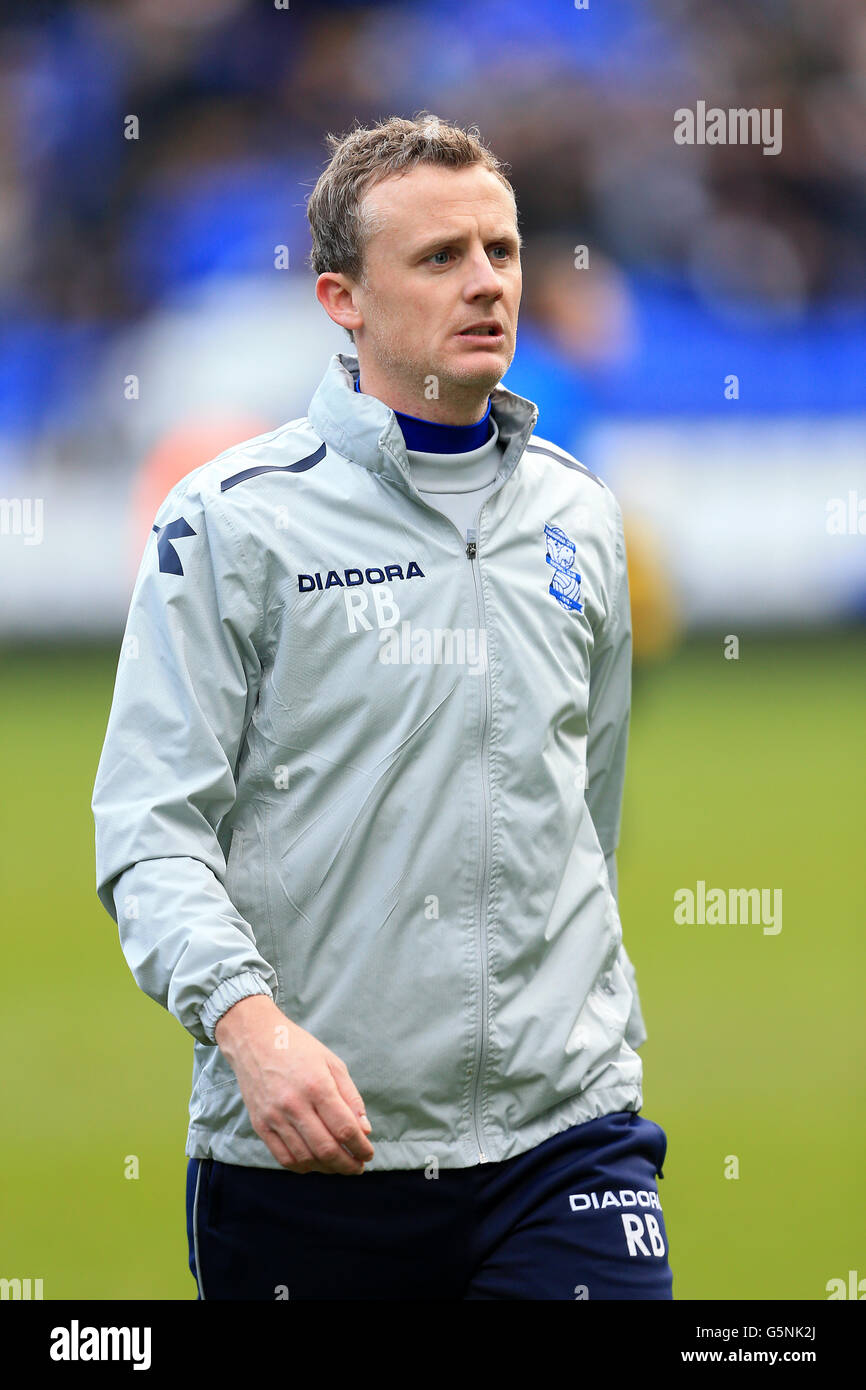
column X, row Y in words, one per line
column 430, row 437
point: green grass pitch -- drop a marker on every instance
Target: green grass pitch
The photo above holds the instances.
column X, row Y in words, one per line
column 745, row 773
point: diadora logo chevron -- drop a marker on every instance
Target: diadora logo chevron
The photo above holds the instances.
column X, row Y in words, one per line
column 169, row 560
column 347, row 579
column 562, row 554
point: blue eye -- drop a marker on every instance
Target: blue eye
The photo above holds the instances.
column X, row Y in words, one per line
column 445, row 252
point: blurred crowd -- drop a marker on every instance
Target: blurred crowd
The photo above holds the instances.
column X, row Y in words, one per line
column 154, row 255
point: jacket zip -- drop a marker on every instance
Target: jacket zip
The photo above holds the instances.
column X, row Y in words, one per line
column 470, row 544
column 472, row 556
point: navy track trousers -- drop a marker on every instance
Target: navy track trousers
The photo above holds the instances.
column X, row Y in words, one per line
column 577, row 1217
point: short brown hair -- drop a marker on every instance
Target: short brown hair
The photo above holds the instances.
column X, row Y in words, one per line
column 341, row 226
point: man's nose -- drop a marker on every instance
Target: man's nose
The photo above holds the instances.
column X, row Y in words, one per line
column 482, row 279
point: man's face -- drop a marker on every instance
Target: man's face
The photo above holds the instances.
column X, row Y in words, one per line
column 446, row 257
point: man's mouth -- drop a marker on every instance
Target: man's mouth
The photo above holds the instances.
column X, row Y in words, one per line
column 482, row 333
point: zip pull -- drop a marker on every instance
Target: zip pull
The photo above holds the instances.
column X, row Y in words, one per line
column 471, row 546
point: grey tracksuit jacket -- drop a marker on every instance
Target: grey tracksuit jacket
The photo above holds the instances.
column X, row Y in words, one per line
column 374, row 769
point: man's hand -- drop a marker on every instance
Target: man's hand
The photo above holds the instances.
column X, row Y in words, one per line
column 299, row 1094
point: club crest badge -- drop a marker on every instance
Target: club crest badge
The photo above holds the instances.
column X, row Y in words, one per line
column 561, row 553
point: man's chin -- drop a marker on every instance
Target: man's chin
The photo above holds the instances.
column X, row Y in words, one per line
column 476, row 367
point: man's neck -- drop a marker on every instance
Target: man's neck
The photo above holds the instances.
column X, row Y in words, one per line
column 433, row 437
column 463, row 406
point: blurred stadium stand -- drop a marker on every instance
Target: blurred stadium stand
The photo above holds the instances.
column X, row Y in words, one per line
column 154, row 258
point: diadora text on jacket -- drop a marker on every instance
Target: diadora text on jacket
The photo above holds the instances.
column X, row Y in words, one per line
column 375, row 770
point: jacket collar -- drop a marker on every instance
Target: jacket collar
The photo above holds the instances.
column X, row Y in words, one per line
column 366, row 431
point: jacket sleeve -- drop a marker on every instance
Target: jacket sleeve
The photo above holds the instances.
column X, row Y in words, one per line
column 186, row 685
column 607, row 741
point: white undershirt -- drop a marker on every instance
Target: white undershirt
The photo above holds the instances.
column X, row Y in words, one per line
column 457, row 484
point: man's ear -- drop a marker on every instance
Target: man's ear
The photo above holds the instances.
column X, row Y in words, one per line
column 334, row 292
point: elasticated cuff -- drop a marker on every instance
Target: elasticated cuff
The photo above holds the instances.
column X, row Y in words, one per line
column 228, row 993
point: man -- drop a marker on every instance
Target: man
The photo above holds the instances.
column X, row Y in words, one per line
column 358, row 803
